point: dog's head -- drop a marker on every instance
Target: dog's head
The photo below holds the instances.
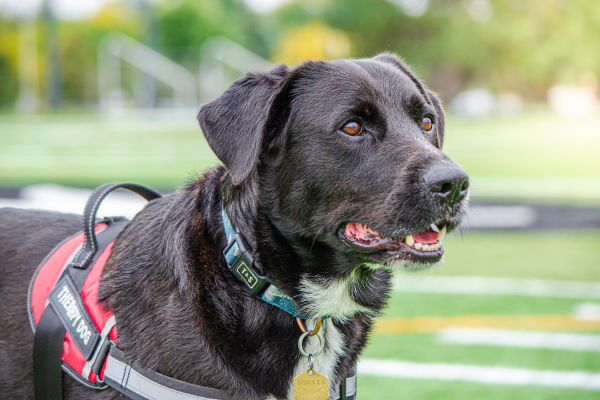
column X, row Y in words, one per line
column 340, row 169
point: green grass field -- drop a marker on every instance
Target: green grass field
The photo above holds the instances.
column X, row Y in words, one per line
column 565, row 255
column 382, row 388
column 535, row 156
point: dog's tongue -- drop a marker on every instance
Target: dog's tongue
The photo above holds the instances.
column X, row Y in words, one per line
column 361, row 231
column 366, row 238
column 428, row 236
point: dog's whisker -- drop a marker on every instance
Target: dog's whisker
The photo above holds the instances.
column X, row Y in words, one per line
column 313, row 242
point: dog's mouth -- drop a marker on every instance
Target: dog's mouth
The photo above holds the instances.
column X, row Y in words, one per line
column 420, row 246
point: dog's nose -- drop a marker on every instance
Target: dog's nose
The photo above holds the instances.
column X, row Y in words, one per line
column 448, row 182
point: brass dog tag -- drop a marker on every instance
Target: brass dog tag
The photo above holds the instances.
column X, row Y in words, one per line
column 311, row 385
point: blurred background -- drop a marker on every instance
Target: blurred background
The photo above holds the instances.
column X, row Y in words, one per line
column 107, row 90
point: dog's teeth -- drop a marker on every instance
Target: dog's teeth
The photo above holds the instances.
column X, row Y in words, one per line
column 434, row 228
column 442, row 234
column 418, row 246
column 409, row 240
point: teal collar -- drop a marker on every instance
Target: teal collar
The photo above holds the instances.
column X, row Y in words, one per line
column 240, row 260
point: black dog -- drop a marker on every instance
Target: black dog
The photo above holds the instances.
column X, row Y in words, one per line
column 333, row 171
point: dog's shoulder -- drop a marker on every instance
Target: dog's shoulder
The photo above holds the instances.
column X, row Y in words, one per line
column 162, row 238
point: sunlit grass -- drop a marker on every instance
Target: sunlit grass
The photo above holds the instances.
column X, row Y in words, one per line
column 381, row 388
column 89, row 150
column 92, row 149
column 562, row 255
column 537, row 144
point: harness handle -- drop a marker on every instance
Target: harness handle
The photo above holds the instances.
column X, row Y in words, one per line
column 90, row 244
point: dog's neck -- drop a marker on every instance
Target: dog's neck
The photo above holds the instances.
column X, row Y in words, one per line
column 240, row 202
column 312, row 273
column 196, row 322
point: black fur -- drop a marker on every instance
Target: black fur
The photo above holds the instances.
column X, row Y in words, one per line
column 291, row 180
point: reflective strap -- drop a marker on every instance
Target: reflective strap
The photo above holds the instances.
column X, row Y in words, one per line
column 87, row 368
column 347, row 388
column 351, row 388
column 137, row 383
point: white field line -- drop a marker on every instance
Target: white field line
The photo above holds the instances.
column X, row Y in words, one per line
column 500, row 217
column 521, row 339
column 481, row 374
column 51, row 197
column 587, row 311
column 535, row 187
column 498, row 286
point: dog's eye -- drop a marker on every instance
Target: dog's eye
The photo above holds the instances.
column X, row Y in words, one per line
column 427, row 123
column 352, row 128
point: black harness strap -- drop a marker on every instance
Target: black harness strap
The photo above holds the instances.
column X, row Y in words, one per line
column 103, row 239
column 90, row 244
column 47, row 356
column 138, row 383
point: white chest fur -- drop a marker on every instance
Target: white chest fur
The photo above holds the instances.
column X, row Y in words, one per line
column 330, row 298
column 326, row 298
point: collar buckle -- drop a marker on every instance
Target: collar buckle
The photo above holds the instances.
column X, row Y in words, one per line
column 241, row 263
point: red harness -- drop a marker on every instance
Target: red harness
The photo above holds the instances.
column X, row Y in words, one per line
column 46, row 278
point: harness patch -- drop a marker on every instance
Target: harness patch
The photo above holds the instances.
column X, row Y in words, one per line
column 68, row 304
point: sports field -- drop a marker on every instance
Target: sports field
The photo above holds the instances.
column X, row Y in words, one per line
column 537, row 155
column 523, row 329
column 478, row 343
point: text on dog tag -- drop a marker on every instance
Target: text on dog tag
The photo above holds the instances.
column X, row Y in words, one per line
column 311, row 385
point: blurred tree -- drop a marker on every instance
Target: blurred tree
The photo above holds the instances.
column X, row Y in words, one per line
column 53, row 59
column 9, row 87
column 521, row 46
column 184, row 28
column 503, row 45
column 314, row 40
column 78, row 46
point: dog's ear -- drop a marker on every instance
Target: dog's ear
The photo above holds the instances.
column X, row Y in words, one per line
column 393, row 59
column 441, row 117
column 235, row 123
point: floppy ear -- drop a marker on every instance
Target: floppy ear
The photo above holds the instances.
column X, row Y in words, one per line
column 234, row 123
